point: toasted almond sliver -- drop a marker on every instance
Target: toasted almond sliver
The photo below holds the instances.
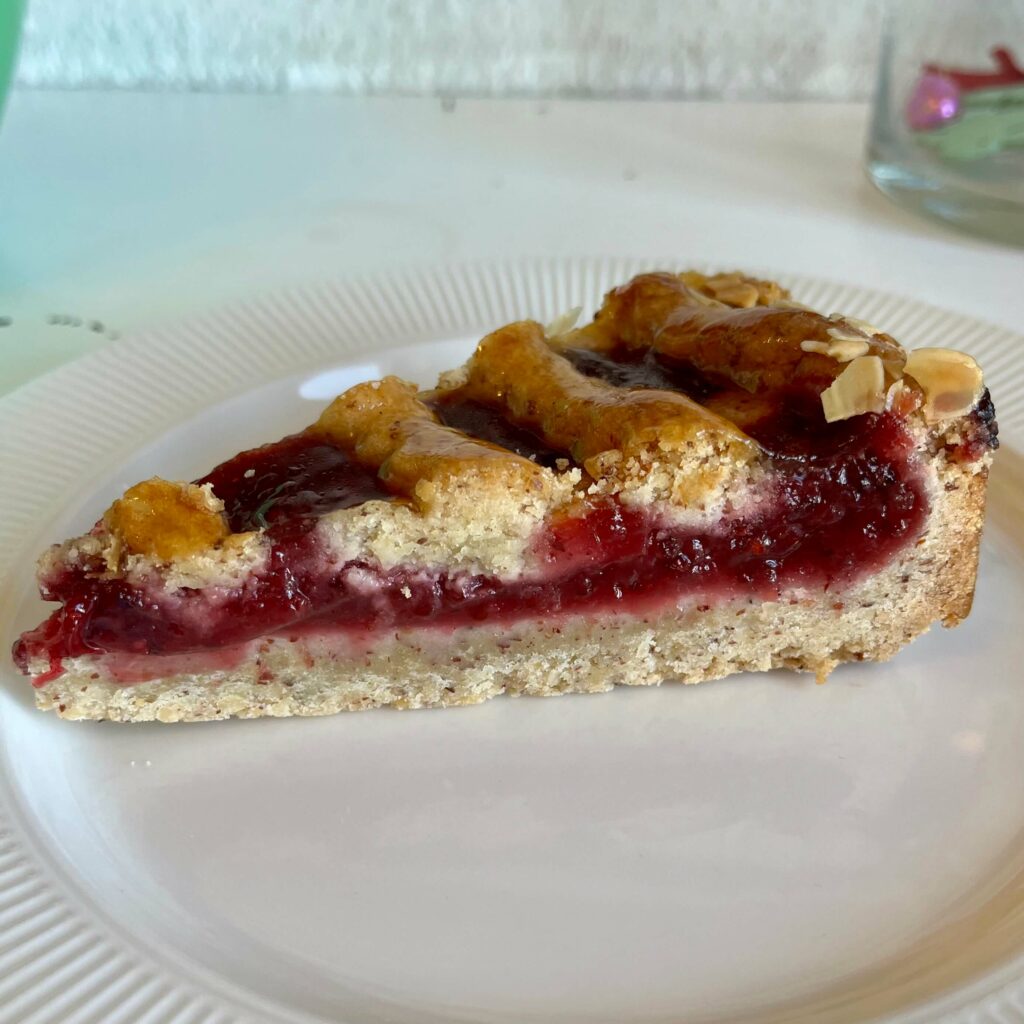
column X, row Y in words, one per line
column 564, row 323
column 952, row 381
column 863, row 325
column 839, row 334
column 845, row 350
column 725, row 280
column 842, row 350
column 893, row 369
column 742, row 295
column 860, row 388
column 817, row 347
column 705, row 300
column 896, row 388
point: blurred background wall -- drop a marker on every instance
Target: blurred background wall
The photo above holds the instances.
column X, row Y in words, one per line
column 737, row 49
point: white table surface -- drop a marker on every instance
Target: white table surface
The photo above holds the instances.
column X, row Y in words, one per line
column 121, row 210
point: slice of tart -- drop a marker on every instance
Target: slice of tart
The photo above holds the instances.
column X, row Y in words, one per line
column 706, row 479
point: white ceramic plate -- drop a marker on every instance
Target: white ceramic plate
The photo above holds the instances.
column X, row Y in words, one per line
column 760, row 849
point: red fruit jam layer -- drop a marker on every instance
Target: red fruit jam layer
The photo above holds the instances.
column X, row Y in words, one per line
column 843, row 501
column 295, row 479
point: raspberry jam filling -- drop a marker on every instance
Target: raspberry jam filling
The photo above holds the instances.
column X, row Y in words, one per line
column 485, row 424
column 842, row 501
column 294, row 478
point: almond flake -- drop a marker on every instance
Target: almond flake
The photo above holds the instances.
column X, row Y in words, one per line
column 705, row 300
column 818, row 347
column 741, row 294
column 951, row 381
column 860, row 388
column 564, row 323
column 892, row 395
column 863, row 325
column 838, row 334
column 841, row 349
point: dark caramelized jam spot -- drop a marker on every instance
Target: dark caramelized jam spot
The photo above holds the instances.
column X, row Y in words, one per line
column 487, row 424
column 645, row 368
column 981, row 433
column 297, row 478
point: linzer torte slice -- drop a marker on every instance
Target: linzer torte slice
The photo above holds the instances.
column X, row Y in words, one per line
column 707, row 479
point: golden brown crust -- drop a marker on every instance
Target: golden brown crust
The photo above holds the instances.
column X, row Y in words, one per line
column 385, row 425
column 648, row 444
column 757, row 346
column 735, row 288
column 165, row 520
column 516, row 369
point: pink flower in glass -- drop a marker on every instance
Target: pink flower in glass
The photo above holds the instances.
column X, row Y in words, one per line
column 934, row 101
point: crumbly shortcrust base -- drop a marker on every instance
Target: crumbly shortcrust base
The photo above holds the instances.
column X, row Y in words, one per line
column 932, row 581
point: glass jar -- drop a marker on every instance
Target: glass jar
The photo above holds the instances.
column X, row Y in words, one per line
column 947, row 127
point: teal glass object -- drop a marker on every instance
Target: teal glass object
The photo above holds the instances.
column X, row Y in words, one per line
column 11, row 12
column 947, row 127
